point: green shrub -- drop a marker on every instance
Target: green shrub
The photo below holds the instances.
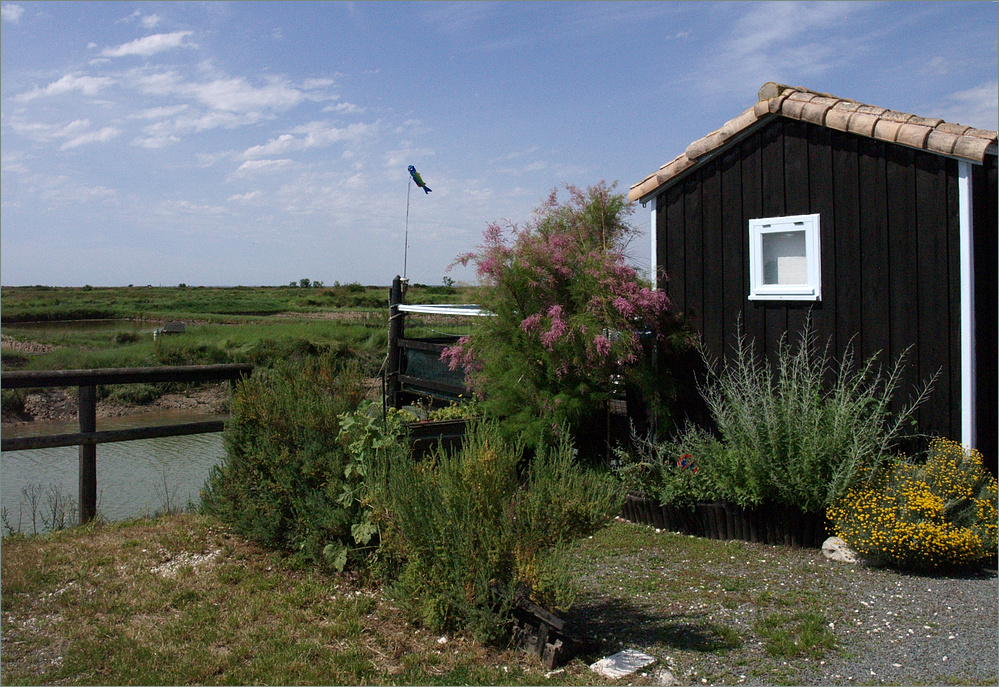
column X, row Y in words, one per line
column 668, row 471
column 471, row 532
column 570, row 315
column 13, row 400
column 130, row 394
column 787, row 435
column 941, row 514
column 283, row 475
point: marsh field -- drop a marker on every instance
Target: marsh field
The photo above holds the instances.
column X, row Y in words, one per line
column 91, row 327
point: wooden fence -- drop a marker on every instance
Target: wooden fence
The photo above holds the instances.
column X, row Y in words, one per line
column 402, row 385
column 88, row 437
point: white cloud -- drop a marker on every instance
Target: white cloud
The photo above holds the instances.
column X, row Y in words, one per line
column 11, row 13
column 154, row 142
column 87, row 85
column 150, row 45
column 974, row 106
column 782, row 41
column 255, row 166
column 344, row 108
column 150, row 21
column 159, row 112
column 74, row 134
column 236, row 95
column 244, row 197
column 227, row 94
column 314, row 135
column 100, row 136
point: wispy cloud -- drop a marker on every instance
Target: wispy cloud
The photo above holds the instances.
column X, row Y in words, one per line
column 312, row 135
column 73, row 135
column 974, row 106
column 781, row 41
column 261, row 166
column 234, row 94
column 87, row 85
column 150, row 45
column 101, row 135
column 11, row 12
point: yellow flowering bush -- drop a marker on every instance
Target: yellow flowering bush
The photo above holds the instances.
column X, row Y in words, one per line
column 940, row 514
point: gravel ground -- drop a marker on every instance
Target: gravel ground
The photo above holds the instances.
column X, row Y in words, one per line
column 889, row 627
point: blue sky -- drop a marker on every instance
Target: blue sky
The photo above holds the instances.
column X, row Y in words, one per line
column 257, row 143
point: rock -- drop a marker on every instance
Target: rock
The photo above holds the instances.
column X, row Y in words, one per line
column 622, row 663
column 665, row 678
column 836, row 549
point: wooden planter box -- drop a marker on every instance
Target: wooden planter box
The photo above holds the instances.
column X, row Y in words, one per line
column 775, row 524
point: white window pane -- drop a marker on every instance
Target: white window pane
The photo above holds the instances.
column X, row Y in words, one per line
column 784, row 258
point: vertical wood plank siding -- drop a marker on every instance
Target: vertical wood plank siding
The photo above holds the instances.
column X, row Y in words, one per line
column 889, row 238
column 984, row 192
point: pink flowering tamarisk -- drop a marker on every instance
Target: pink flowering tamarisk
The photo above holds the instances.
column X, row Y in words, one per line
column 570, row 313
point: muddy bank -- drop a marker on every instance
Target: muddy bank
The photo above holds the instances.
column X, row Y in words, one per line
column 61, row 404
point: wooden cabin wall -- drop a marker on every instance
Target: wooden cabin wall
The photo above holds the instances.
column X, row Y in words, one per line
column 890, row 252
column 985, row 190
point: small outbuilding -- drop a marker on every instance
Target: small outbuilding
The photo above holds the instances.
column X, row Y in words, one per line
column 881, row 225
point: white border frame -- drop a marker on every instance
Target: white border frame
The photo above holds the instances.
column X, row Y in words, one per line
column 812, row 290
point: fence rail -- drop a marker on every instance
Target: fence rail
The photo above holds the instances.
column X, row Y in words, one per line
column 88, row 437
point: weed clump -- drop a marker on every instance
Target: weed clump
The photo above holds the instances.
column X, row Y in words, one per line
column 471, row 528
column 284, row 471
column 797, row 432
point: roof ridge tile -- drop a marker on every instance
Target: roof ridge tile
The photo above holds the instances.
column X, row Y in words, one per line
column 822, row 109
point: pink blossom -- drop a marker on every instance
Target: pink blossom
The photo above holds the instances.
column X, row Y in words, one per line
column 602, row 344
column 624, row 306
column 531, row 322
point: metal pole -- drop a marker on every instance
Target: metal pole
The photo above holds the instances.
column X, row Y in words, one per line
column 88, row 455
column 405, row 252
column 396, row 332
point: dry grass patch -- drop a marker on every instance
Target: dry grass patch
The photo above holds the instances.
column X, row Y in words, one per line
column 181, row 600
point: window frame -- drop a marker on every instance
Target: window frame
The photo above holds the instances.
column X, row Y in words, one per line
column 811, row 290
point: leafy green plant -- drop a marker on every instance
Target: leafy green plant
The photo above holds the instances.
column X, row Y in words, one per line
column 569, row 314
column 284, row 473
column 789, row 437
column 941, row 514
column 669, row 471
column 372, row 442
column 470, row 530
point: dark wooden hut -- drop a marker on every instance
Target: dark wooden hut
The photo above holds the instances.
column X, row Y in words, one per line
column 880, row 224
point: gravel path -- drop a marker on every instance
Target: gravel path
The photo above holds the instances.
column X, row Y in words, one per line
column 913, row 629
column 697, row 609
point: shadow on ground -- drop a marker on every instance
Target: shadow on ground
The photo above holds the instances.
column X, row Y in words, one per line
column 607, row 625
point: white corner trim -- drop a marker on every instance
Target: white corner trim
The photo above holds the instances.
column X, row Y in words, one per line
column 653, row 267
column 968, row 364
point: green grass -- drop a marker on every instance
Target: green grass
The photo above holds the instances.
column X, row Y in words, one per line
column 258, row 325
column 796, row 635
column 219, row 304
column 182, row 600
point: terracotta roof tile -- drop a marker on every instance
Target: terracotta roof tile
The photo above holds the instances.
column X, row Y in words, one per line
column 887, row 130
column 931, row 134
column 913, row 135
column 862, row 123
column 941, row 142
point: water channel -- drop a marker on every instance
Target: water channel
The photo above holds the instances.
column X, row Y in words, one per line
column 134, row 478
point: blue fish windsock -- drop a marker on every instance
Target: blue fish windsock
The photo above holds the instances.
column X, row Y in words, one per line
column 418, row 179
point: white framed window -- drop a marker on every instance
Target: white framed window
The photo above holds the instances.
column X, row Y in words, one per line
column 784, row 260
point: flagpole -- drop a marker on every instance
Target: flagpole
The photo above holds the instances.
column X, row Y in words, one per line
column 405, row 252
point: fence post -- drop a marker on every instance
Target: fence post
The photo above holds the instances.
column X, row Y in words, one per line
column 397, row 329
column 88, row 455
